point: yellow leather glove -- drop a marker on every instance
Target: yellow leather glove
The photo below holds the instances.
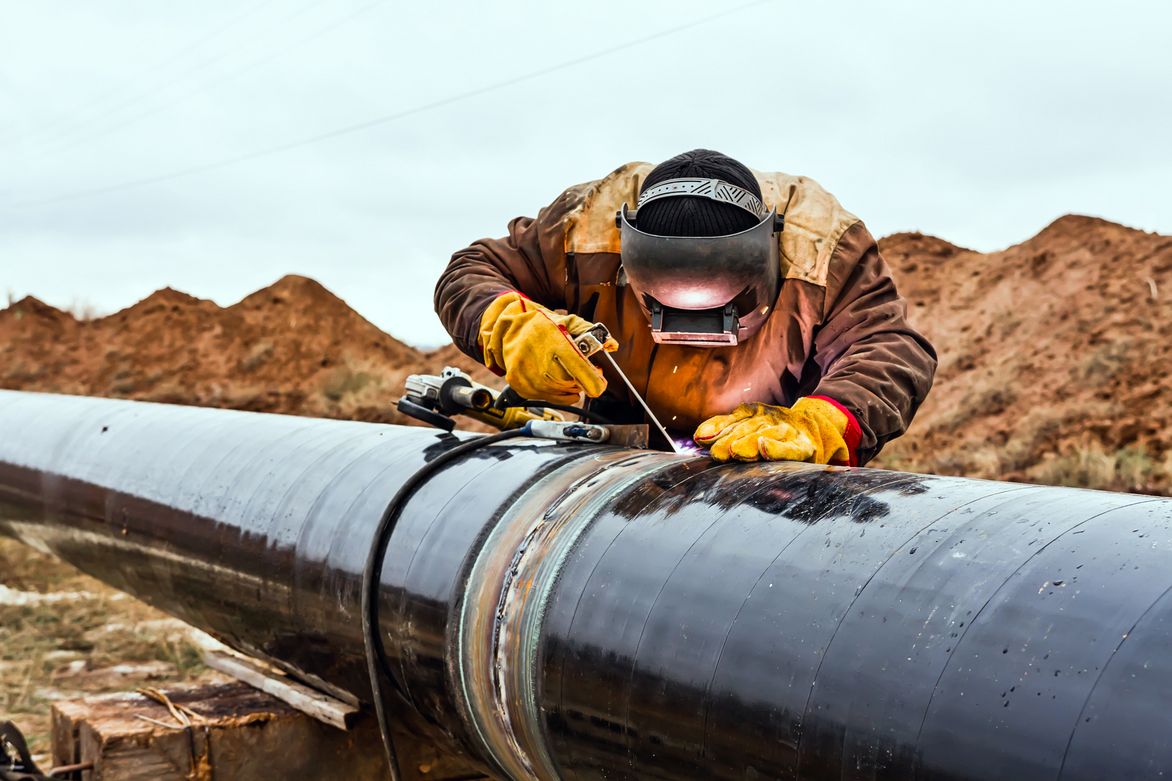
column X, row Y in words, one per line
column 812, row 430
column 530, row 345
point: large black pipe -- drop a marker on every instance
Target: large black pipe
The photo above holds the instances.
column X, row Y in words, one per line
column 584, row 612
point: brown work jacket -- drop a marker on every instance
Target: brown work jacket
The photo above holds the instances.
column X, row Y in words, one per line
column 838, row 328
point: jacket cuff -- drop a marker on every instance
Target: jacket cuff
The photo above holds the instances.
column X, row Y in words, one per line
column 471, row 338
column 853, row 434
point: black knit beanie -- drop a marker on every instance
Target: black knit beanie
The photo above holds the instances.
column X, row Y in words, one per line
column 698, row 216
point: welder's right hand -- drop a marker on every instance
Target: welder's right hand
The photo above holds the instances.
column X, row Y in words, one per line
column 531, row 346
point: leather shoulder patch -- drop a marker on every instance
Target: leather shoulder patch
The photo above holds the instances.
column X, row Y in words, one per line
column 814, row 223
column 814, row 219
column 589, row 225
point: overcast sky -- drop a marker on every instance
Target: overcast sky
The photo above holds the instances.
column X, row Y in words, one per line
column 977, row 122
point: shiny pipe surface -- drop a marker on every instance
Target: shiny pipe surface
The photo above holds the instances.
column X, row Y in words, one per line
column 584, row 612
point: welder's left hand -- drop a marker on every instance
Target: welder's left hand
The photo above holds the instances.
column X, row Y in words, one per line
column 813, row 429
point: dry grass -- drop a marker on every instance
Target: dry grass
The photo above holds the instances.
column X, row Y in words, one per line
column 1027, row 456
column 1128, row 469
column 345, row 381
column 65, row 635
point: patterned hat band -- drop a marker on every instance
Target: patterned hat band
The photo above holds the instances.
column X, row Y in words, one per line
column 715, row 189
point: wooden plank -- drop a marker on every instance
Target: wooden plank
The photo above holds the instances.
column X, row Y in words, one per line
column 309, row 701
column 239, row 734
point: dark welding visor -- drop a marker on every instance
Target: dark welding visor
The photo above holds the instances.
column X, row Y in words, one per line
column 703, row 291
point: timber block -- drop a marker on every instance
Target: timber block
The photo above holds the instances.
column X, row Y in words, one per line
column 243, row 734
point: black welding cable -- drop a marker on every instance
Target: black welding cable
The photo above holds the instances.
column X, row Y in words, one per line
column 581, row 412
column 510, row 398
column 372, row 574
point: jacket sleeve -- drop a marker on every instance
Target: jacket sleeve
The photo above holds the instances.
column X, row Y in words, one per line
column 873, row 362
column 530, row 260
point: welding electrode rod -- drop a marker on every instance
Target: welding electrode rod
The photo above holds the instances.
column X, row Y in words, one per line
column 581, row 611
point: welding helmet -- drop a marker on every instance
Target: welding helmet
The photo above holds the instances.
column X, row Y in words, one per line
column 703, row 291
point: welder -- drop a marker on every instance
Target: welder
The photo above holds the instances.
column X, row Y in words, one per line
column 751, row 311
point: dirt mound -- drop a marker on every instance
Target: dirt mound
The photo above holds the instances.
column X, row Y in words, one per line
column 1054, row 356
column 293, row 347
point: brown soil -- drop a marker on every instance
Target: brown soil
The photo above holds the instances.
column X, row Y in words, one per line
column 1054, row 357
column 293, row 347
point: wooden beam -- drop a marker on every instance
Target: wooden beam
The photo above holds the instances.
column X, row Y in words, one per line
column 235, row 733
column 238, row 734
column 309, row 701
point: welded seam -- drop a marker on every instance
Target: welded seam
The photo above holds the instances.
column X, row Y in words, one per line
column 572, row 525
column 500, row 639
column 559, row 555
column 481, row 576
column 458, row 646
column 508, row 635
column 992, row 596
column 594, row 569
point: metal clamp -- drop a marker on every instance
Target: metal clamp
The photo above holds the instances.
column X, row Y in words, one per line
column 592, row 341
column 566, row 431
